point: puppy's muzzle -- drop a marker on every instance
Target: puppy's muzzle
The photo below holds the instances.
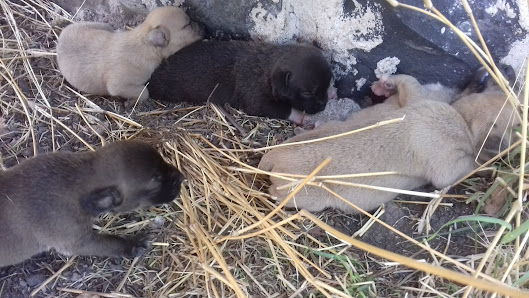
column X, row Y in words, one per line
column 199, row 28
column 318, row 106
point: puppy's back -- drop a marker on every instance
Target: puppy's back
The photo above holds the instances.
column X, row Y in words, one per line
column 81, row 50
column 193, row 73
column 27, row 200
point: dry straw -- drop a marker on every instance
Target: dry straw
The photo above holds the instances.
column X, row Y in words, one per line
column 225, row 237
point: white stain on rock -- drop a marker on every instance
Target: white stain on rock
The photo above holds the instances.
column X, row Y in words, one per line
column 501, row 5
column 523, row 10
column 387, row 65
column 324, row 22
column 360, row 83
column 518, row 54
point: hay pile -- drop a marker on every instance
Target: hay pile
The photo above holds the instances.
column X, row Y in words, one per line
column 225, row 236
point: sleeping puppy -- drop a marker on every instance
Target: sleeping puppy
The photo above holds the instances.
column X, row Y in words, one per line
column 50, row 201
column 262, row 79
column 435, row 143
column 98, row 60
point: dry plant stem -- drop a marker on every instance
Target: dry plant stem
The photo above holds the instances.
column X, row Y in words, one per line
column 328, row 176
column 359, row 185
column 428, row 268
column 94, row 294
column 55, row 275
column 265, row 230
column 23, row 102
column 522, row 155
column 515, row 258
column 426, row 248
column 492, row 246
column 65, row 127
column 89, row 125
column 108, row 113
column 227, row 116
column 387, row 189
column 287, row 199
column 198, row 229
column 124, row 280
column 425, row 203
column 378, row 124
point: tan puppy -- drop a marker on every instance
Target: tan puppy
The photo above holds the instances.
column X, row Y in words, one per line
column 435, row 143
column 98, row 60
column 50, row 201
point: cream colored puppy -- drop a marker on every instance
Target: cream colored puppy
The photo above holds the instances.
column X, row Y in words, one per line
column 98, row 60
column 435, row 143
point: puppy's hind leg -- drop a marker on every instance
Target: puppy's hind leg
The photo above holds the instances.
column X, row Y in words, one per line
column 94, row 244
column 133, row 93
column 406, row 87
column 450, row 169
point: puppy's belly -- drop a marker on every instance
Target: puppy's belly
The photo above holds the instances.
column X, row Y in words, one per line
column 15, row 249
column 316, row 199
column 85, row 81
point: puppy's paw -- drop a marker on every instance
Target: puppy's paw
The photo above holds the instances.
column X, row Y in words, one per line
column 332, row 93
column 306, row 119
column 299, row 130
column 318, row 123
column 138, row 246
column 385, row 86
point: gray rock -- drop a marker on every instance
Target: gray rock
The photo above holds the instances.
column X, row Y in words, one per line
column 355, row 35
column 35, row 279
column 22, row 283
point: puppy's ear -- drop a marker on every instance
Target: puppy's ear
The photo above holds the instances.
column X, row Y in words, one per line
column 280, row 83
column 158, row 37
column 479, row 81
column 101, row 200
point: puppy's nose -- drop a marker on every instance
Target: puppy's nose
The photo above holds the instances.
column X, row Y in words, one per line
column 176, row 176
column 199, row 28
column 508, row 72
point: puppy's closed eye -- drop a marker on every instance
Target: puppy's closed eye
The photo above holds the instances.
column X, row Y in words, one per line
column 157, row 177
column 307, row 94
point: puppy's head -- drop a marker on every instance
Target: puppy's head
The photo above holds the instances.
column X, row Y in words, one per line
column 487, row 110
column 481, row 80
column 169, row 29
column 302, row 78
column 130, row 175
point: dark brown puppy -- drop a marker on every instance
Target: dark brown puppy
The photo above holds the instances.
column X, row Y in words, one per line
column 259, row 78
column 50, row 201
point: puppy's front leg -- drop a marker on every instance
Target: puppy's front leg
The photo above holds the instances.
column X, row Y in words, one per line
column 102, row 245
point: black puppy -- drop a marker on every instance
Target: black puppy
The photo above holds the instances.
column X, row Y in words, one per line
column 276, row 81
column 50, row 201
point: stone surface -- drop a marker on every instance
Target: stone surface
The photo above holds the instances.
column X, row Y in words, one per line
column 354, row 34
